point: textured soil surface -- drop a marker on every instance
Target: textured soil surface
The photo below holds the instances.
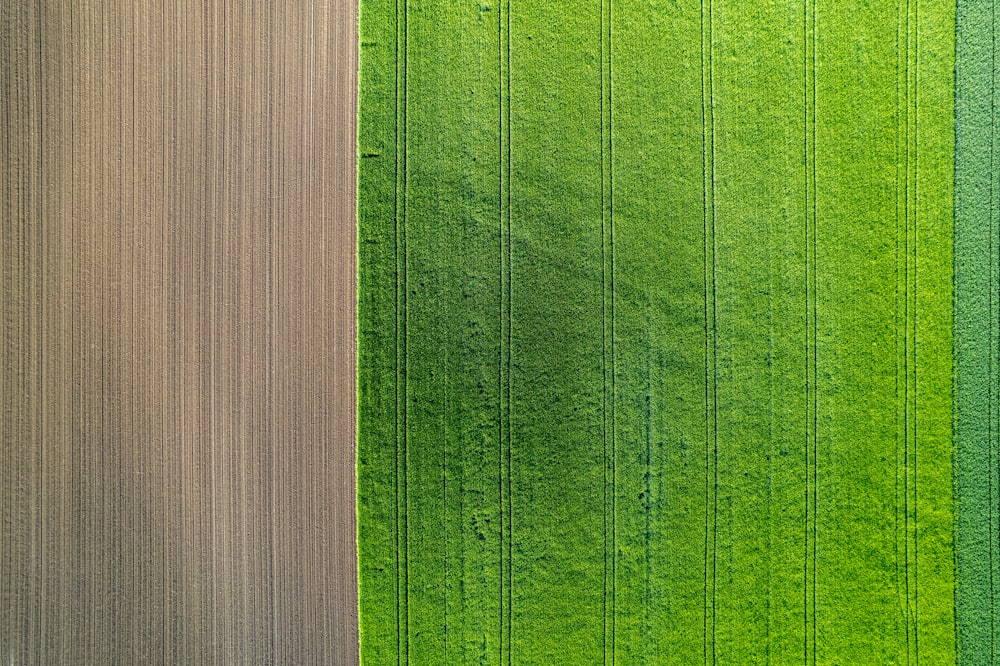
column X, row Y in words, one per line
column 177, row 333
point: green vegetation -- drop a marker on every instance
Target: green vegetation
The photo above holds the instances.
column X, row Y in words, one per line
column 655, row 347
column 977, row 311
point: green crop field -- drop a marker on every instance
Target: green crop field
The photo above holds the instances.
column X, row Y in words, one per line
column 976, row 341
column 678, row 332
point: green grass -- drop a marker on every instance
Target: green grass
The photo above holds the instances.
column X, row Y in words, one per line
column 655, row 347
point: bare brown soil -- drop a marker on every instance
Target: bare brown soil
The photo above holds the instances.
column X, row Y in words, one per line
column 177, row 332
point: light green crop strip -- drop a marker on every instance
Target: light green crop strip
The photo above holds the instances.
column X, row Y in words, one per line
column 655, row 334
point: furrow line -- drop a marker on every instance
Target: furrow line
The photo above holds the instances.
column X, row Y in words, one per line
column 711, row 327
column 806, row 600
column 815, row 329
column 607, row 251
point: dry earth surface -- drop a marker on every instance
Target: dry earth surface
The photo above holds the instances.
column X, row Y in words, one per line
column 177, row 338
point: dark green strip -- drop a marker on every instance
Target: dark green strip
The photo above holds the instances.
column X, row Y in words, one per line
column 976, row 313
column 376, row 463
